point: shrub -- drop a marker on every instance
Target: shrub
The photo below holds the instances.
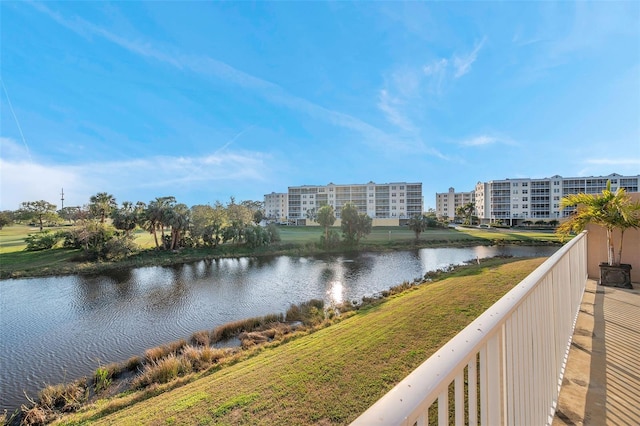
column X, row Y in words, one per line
column 174, row 347
column 118, row 248
column 33, row 416
column 63, row 397
column 309, row 313
column 162, row 371
column 154, row 354
column 133, row 363
column 201, row 358
column 252, row 339
column 101, row 379
column 233, row 329
column 42, row 241
column 332, row 240
column 274, row 234
column 201, row 338
column 211, row 355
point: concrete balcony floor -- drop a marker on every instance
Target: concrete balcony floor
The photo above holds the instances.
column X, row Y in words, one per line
column 601, row 384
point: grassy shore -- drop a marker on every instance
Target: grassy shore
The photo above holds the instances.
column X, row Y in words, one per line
column 297, row 241
column 330, row 376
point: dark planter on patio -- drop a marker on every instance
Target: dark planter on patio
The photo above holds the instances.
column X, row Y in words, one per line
column 615, row 276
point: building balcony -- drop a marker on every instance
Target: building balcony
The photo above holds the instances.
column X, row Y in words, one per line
column 558, row 349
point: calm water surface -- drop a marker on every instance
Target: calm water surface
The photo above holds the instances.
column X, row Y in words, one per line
column 60, row 328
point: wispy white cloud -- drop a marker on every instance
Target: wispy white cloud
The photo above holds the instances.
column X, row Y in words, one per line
column 462, row 63
column 391, row 106
column 441, row 71
column 205, row 65
column 24, row 180
column 480, row 141
column 436, row 68
column 485, row 140
column 436, row 73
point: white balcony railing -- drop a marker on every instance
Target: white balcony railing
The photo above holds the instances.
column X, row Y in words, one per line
column 506, row 367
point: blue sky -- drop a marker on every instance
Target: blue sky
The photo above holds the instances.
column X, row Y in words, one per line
column 204, row 100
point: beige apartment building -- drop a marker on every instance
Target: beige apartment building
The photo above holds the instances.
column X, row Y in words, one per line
column 276, row 206
column 448, row 202
column 513, row 201
column 386, row 204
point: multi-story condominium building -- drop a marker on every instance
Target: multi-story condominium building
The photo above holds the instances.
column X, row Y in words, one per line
column 448, row 202
column 276, row 206
column 400, row 200
column 513, row 201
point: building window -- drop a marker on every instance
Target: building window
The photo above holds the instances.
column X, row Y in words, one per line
column 515, row 206
column 525, row 206
column 525, row 191
column 525, row 198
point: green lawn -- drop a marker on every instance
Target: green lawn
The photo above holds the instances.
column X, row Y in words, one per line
column 333, row 375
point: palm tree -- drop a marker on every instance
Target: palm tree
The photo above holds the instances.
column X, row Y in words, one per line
column 178, row 218
column 125, row 218
column 466, row 211
column 102, row 204
column 611, row 210
column 418, row 224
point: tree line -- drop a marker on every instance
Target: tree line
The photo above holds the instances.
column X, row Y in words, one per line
column 103, row 228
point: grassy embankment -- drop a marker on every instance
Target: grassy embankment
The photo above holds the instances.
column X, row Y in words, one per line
column 330, row 376
column 15, row 262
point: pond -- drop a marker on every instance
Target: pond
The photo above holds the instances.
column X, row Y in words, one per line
column 57, row 329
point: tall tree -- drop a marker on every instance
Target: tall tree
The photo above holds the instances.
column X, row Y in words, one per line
column 354, row 225
column 201, row 218
column 70, row 214
column 466, row 211
column 177, row 217
column 219, row 220
column 6, row 218
column 418, row 224
column 165, row 206
column 40, row 211
column 240, row 216
column 151, row 220
column 101, row 205
column 312, row 215
column 125, row 218
column 326, row 218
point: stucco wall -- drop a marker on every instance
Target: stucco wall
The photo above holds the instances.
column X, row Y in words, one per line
column 597, row 248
